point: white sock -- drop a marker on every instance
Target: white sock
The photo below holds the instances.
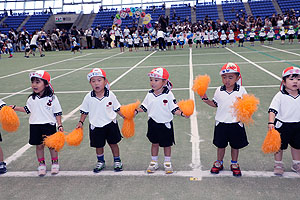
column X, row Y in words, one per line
column 296, row 161
column 278, row 162
column 154, row 158
column 167, row 158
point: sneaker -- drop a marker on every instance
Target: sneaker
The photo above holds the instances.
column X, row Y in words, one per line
column 168, row 168
column 3, row 168
column 217, row 167
column 54, row 169
column 118, row 166
column 235, row 168
column 99, row 167
column 296, row 168
column 42, row 170
column 278, row 169
column 42, row 55
column 152, row 167
column 26, row 56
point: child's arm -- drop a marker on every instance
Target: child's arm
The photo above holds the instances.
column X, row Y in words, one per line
column 17, row 108
column 119, row 112
column 59, row 123
column 81, row 120
column 180, row 113
column 208, row 102
column 271, row 120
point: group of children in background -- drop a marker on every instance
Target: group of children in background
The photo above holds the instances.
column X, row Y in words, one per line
column 102, row 107
column 159, row 40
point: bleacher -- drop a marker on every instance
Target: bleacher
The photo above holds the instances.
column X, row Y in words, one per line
column 206, row 9
column 36, row 22
column 230, row 9
column 156, row 13
column 287, row 5
column 104, row 18
column 262, row 8
column 182, row 11
column 12, row 22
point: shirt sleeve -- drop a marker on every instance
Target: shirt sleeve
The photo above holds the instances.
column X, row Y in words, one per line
column 57, row 111
column 144, row 105
column 28, row 106
column 84, row 108
column 116, row 103
column 172, row 103
column 216, row 98
column 275, row 104
column 2, row 103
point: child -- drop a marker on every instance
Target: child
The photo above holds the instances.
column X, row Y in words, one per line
column 190, row 39
column 223, row 38
column 146, row 42
column 262, row 36
column 216, row 39
column 9, row 48
column 160, row 104
column 34, row 45
column 228, row 129
column 298, row 34
column 169, row 40
column 174, row 40
column 181, row 39
column 231, row 38
column 206, row 39
column 198, row 39
column 153, row 40
column 45, row 111
column 102, row 105
column 284, row 116
column 252, row 37
column 75, row 46
column 282, row 35
column 2, row 163
column 291, row 34
column 136, row 40
column 211, row 38
column 270, row 35
column 121, row 43
column 241, row 38
column 130, row 42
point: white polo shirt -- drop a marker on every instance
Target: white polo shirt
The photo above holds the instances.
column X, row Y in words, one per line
column 2, row 103
column 160, row 108
column 286, row 107
column 101, row 111
column 225, row 101
column 43, row 110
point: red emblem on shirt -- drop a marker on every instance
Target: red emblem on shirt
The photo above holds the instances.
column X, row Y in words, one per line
column 109, row 104
column 49, row 103
column 165, row 101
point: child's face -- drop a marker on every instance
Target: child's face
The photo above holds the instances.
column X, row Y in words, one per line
column 157, row 83
column 229, row 79
column 38, row 86
column 292, row 83
column 98, row 83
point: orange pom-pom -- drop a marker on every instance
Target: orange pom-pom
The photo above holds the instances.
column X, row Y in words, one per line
column 75, row 137
column 55, row 141
column 272, row 142
column 129, row 110
column 245, row 107
column 201, row 84
column 9, row 119
column 128, row 128
column 187, row 106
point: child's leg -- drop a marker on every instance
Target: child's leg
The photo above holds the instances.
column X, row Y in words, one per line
column 220, row 154
column 54, row 156
column 278, row 156
column 234, row 154
column 40, row 153
column 115, row 150
column 154, row 158
column 1, row 155
column 154, row 150
column 235, row 168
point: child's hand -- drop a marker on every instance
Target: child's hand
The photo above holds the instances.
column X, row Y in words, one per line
column 60, row 128
column 204, row 97
column 79, row 125
column 183, row 115
column 271, row 126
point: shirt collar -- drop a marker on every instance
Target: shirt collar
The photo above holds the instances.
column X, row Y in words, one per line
column 236, row 87
column 165, row 91
column 106, row 93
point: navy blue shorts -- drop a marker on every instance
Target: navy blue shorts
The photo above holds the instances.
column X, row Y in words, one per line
column 231, row 133
column 289, row 133
column 39, row 131
column 158, row 133
column 110, row 133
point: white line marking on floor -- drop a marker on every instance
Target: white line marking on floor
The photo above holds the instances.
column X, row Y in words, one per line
column 195, row 138
column 193, row 175
column 296, row 54
column 23, row 149
column 20, row 152
column 35, row 68
column 256, row 65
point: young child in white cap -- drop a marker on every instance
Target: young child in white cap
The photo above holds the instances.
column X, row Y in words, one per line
column 102, row 107
column 160, row 104
column 284, row 116
column 227, row 128
column 45, row 111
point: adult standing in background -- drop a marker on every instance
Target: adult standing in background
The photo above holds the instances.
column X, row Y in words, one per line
column 88, row 34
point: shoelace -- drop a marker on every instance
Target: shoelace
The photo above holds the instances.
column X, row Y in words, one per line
column 117, row 164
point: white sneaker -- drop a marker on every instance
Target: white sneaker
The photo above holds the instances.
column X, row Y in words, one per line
column 42, row 170
column 168, row 168
column 152, row 167
column 54, row 169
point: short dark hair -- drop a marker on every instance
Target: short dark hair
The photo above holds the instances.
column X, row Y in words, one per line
column 291, row 76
